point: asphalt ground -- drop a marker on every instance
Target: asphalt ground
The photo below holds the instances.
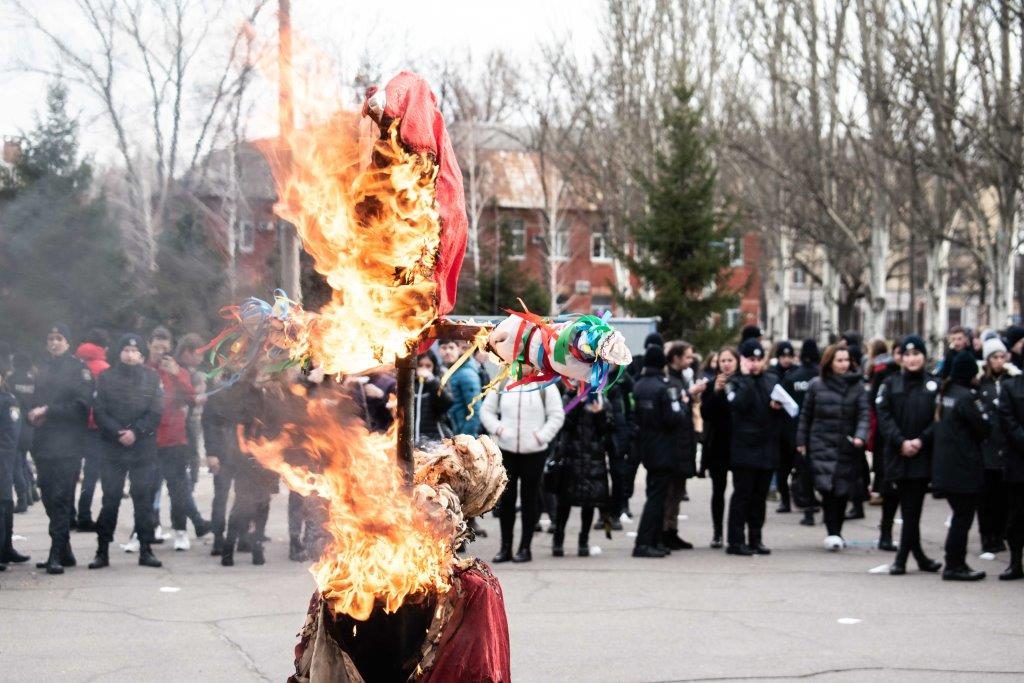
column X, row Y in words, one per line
column 800, row 613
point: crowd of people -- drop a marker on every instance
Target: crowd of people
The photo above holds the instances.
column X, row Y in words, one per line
column 827, row 432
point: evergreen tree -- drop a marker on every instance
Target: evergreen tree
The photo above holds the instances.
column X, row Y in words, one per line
column 60, row 255
column 679, row 253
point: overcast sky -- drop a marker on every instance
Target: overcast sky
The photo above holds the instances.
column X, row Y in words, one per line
column 394, row 34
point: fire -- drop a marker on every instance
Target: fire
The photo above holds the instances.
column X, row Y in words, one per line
column 388, row 543
column 373, row 230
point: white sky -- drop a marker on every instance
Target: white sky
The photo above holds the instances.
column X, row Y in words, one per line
column 394, row 34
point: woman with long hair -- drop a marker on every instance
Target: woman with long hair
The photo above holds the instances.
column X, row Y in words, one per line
column 831, row 435
column 430, row 401
column 717, row 432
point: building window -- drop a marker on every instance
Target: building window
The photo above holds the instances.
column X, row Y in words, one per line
column 799, row 321
column 246, row 237
column 734, row 247
column 955, row 317
column 799, row 276
column 732, row 317
column 599, row 303
column 599, row 250
column 515, row 238
column 561, row 250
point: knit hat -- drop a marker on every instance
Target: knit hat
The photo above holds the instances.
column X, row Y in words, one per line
column 992, row 345
column 751, row 332
column 964, row 366
column 654, row 339
column 130, row 340
column 913, row 343
column 1013, row 335
column 654, row 357
column 751, row 348
column 784, row 348
column 61, row 329
column 809, row 352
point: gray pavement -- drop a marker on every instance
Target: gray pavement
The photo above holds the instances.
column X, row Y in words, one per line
column 697, row 615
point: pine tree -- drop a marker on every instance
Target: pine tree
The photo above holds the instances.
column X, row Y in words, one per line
column 679, row 246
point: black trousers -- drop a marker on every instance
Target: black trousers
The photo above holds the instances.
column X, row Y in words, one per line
column 912, row 493
column 562, row 518
column 648, row 533
column 787, row 459
column 834, row 509
column 630, row 468
column 992, row 508
column 964, row 505
column 22, row 477
column 91, row 473
column 142, row 471
column 890, row 504
column 251, row 507
column 719, row 481
column 524, row 473
column 221, row 493
column 174, row 470
column 1015, row 517
column 747, row 505
column 619, row 469
column 57, row 479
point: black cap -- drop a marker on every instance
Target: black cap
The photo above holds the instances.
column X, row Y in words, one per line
column 809, row 352
column 653, row 339
column 654, row 357
column 61, row 329
column 751, row 348
column 785, row 348
column 964, row 367
column 750, row 332
column 1014, row 334
column 913, row 343
column 130, row 340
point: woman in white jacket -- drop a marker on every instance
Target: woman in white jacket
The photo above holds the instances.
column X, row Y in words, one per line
column 524, row 422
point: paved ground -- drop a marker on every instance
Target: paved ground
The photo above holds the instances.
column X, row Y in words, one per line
column 698, row 615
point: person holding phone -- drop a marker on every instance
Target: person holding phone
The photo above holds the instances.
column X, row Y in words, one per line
column 833, row 428
column 715, row 458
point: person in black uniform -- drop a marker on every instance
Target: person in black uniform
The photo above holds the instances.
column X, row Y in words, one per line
column 883, row 367
column 992, row 506
column 680, row 361
column 129, row 403
column 1011, row 419
column 785, row 365
column 963, row 423
column 10, row 427
column 660, row 417
column 718, row 438
column 756, row 423
column 906, row 419
column 22, row 384
column 796, row 384
column 60, row 409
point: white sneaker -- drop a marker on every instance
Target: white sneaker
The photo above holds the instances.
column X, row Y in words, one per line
column 160, row 534
column 834, row 543
column 181, row 541
column 132, row 546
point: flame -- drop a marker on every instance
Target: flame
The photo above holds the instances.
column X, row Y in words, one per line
column 373, row 231
column 388, row 544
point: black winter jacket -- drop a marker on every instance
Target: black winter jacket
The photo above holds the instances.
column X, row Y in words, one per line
column 835, row 411
column 1011, row 418
column 664, row 422
column 129, row 397
column 993, row 449
column 963, row 425
column 65, row 386
column 10, row 426
column 717, row 430
column 431, row 411
column 23, row 386
column 584, row 445
column 755, row 424
column 906, row 410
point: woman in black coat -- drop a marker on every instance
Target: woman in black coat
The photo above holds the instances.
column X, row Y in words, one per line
column 963, row 423
column 584, row 446
column 717, row 430
column 1011, row 419
column 430, row 402
column 834, row 423
column 992, row 506
column 906, row 419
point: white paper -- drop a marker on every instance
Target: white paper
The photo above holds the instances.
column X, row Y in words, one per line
column 788, row 404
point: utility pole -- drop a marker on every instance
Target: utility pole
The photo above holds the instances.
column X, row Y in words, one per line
column 291, row 275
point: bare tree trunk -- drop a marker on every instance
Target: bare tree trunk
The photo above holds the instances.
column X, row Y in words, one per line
column 937, row 278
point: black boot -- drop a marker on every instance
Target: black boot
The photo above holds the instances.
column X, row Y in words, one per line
column 856, row 510
column 67, row 558
column 558, row 543
column 218, row 545
column 583, row 550
column 147, row 558
column 258, row 558
column 227, row 553
column 52, row 564
column 885, row 540
column 296, row 553
column 8, row 555
column 523, row 555
column 808, row 519
column 102, row 558
column 926, row 564
column 1016, row 569
column 962, row 573
column 504, row 554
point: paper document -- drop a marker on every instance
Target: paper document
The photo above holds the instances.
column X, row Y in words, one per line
column 788, row 404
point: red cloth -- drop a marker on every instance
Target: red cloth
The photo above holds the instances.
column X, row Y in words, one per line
column 95, row 358
column 178, row 397
column 422, row 129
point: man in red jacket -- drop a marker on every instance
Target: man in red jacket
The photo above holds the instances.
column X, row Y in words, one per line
column 172, row 438
column 93, row 352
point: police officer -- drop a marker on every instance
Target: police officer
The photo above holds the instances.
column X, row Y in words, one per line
column 785, row 365
column 10, row 426
column 1011, row 418
column 905, row 405
column 963, row 423
column 661, row 417
column 796, row 383
column 60, row 409
column 680, row 376
column 756, row 424
column 128, row 407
